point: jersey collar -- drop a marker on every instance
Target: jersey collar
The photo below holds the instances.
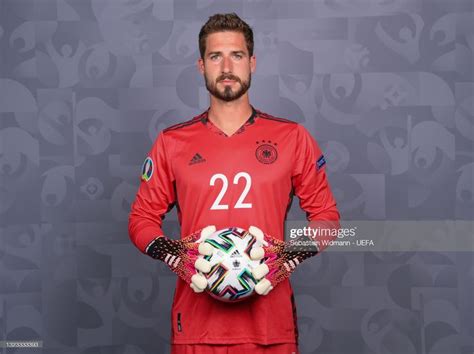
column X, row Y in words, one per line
column 205, row 120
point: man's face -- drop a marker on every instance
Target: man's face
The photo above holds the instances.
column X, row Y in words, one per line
column 227, row 66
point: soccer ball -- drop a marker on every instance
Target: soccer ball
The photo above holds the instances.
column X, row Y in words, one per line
column 230, row 278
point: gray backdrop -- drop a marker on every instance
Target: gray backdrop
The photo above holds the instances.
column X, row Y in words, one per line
column 385, row 86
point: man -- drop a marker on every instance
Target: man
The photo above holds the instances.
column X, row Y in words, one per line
column 233, row 165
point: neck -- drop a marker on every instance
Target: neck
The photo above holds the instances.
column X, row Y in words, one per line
column 229, row 116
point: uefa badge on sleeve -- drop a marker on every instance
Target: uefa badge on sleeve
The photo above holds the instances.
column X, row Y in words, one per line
column 147, row 169
column 320, row 163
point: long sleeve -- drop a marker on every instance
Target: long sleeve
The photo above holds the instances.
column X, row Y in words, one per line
column 312, row 187
column 155, row 197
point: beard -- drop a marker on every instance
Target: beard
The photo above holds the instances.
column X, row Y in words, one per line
column 228, row 94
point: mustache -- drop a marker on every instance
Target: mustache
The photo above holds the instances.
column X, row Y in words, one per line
column 228, row 77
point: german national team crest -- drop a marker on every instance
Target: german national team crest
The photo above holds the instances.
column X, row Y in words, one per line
column 266, row 152
column 147, row 169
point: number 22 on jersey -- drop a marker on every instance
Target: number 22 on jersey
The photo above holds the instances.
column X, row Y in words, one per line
column 240, row 204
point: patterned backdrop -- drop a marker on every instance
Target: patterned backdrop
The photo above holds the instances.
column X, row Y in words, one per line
column 385, row 86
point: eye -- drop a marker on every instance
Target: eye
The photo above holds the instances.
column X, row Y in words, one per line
column 238, row 56
column 214, row 57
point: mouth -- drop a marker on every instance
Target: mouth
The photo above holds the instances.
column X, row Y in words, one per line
column 227, row 81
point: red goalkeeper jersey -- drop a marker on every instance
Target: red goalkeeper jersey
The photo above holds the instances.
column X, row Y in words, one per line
column 248, row 178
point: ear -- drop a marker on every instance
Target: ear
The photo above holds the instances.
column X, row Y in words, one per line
column 200, row 65
column 253, row 63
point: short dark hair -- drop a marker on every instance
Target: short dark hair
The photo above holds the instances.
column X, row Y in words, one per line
column 222, row 23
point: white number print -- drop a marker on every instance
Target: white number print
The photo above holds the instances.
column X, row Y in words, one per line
column 248, row 183
column 216, row 205
column 225, row 184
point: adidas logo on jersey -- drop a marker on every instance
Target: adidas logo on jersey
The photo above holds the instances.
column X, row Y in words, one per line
column 196, row 159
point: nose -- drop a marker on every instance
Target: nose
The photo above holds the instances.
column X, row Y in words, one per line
column 226, row 65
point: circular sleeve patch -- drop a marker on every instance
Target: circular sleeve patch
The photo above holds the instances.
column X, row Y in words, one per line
column 147, row 169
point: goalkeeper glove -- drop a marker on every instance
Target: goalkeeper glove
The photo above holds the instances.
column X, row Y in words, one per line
column 280, row 259
column 182, row 256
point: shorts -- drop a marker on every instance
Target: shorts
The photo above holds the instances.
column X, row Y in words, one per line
column 247, row 348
